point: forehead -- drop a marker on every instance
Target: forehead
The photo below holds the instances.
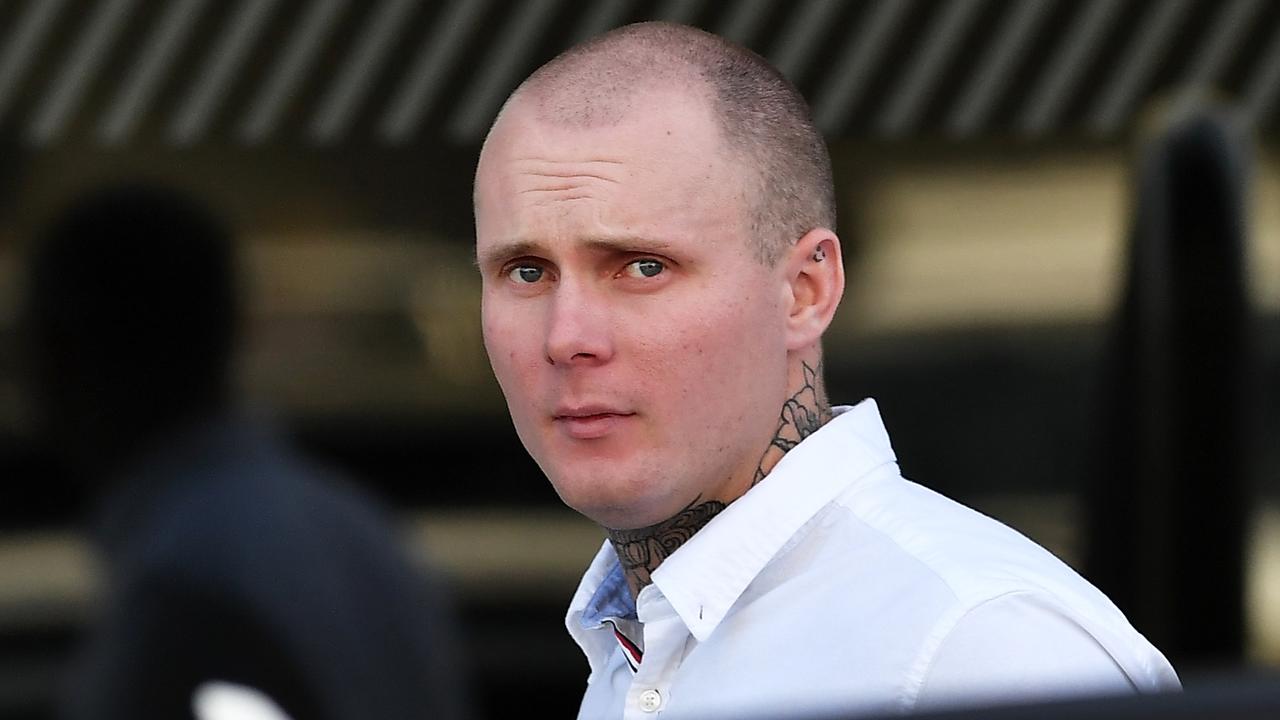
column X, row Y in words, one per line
column 662, row 163
column 657, row 132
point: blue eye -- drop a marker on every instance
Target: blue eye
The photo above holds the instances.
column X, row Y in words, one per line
column 526, row 274
column 645, row 268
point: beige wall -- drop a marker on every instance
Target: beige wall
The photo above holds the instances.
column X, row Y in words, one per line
column 1018, row 236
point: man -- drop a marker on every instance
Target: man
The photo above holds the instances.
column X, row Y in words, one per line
column 654, row 224
column 237, row 571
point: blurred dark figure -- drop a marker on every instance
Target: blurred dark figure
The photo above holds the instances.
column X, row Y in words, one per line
column 228, row 557
column 1167, row 511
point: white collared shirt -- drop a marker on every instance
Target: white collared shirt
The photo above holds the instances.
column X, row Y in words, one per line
column 835, row 585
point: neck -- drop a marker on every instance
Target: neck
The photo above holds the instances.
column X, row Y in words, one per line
column 802, row 414
column 642, row 550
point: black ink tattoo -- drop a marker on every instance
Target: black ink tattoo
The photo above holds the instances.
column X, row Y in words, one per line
column 802, row 415
column 642, row 550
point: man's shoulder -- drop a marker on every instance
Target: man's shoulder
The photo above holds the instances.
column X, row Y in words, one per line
column 905, row 568
column 256, row 514
column 889, row 542
column 976, row 556
column 879, row 530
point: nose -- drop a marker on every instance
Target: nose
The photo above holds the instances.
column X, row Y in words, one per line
column 578, row 332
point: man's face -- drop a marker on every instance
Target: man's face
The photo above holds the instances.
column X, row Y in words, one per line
column 639, row 342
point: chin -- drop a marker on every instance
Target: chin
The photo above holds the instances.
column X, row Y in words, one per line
column 618, row 501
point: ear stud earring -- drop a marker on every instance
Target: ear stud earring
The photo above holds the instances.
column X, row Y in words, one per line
column 819, row 255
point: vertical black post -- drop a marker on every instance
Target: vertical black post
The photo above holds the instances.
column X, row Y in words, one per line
column 1167, row 512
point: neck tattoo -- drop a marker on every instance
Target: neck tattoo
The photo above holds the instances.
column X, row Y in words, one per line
column 642, row 550
column 802, row 415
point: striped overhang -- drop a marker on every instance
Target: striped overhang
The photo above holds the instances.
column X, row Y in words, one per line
column 330, row 72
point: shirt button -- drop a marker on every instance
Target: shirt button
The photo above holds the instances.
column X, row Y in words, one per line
column 650, row 700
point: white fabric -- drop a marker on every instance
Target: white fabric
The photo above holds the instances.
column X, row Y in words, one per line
column 217, row 700
column 835, row 585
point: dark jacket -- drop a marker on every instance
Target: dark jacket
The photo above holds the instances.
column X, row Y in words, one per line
column 229, row 557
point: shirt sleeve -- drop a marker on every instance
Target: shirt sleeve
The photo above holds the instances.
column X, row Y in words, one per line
column 1014, row 649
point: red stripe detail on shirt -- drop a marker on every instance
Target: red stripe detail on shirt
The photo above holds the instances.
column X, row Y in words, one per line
column 631, row 650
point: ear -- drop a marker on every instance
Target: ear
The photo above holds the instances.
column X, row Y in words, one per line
column 815, row 273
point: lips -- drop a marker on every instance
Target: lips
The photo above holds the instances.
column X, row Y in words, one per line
column 590, row 422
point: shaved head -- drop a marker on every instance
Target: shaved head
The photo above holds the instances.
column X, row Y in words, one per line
column 764, row 123
column 653, row 217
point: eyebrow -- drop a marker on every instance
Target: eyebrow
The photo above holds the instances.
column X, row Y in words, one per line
column 612, row 244
column 504, row 250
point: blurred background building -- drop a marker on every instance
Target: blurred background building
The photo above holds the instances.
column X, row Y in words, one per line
column 993, row 160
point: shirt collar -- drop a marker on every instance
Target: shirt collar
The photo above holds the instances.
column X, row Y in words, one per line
column 596, row 645
column 706, row 576
column 612, row 600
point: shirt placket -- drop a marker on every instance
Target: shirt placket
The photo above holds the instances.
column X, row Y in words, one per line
column 665, row 636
